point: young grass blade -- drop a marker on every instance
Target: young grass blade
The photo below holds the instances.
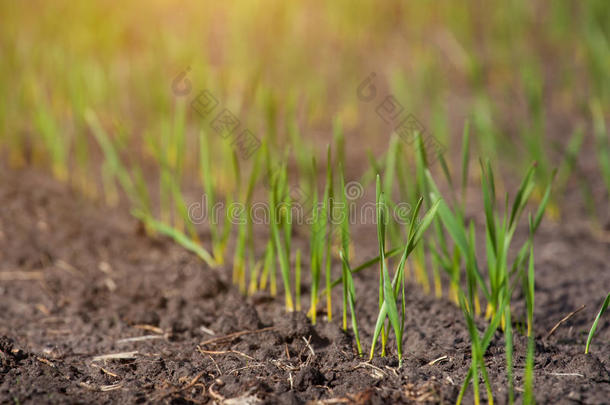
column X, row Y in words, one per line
column 56, row 144
column 523, row 252
column 381, row 240
column 456, row 231
column 177, row 236
column 339, row 140
column 239, row 258
column 417, row 233
column 314, row 246
column 596, row 321
column 205, row 169
column 369, row 263
column 479, row 347
column 485, row 341
column 248, row 249
column 345, row 239
column 489, row 204
column 277, row 239
column 268, row 272
column 351, row 298
column 328, row 229
column 526, row 188
column 508, row 347
column 465, row 161
column 528, row 395
column 297, row 280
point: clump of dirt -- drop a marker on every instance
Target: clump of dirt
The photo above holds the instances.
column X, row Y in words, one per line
column 94, row 312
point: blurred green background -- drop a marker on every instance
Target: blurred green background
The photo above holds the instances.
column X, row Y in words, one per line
column 529, row 75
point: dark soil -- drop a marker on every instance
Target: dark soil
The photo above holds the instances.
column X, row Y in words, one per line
column 77, row 280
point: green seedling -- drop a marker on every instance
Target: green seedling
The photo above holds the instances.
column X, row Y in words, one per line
column 268, row 273
column 528, row 386
column 316, row 247
column 297, row 280
column 325, row 239
column 178, row 237
column 56, row 144
column 443, row 255
column 389, row 288
column 596, row 321
column 339, row 141
column 345, row 241
column 220, row 235
column 244, row 249
column 280, row 215
column 350, row 298
column 499, row 232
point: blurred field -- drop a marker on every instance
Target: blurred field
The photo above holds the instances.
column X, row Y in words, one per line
column 524, row 72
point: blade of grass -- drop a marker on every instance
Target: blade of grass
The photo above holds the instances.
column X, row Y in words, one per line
column 351, row 298
column 528, row 394
column 179, row 237
column 326, row 214
column 596, row 321
column 297, row 280
column 345, row 240
column 277, row 239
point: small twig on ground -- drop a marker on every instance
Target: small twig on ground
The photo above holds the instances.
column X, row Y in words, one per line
column 45, row 361
column 566, row 374
column 282, row 365
column 110, row 373
column 244, row 368
column 87, row 386
column 111, row 387
column 334, row 401
column 558, row 324
column 207, row 330
column 433, row 362
column 48, row 363
column 308, row 345
column 380, row 373
column 235, row 335
column 140, row 338
column 215, row 364
column 393, row 370
column 150, row 328
column 116, row 356
column 200, row 350
column 191, row 384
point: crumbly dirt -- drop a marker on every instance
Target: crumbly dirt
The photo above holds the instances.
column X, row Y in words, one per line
column 78, row 280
